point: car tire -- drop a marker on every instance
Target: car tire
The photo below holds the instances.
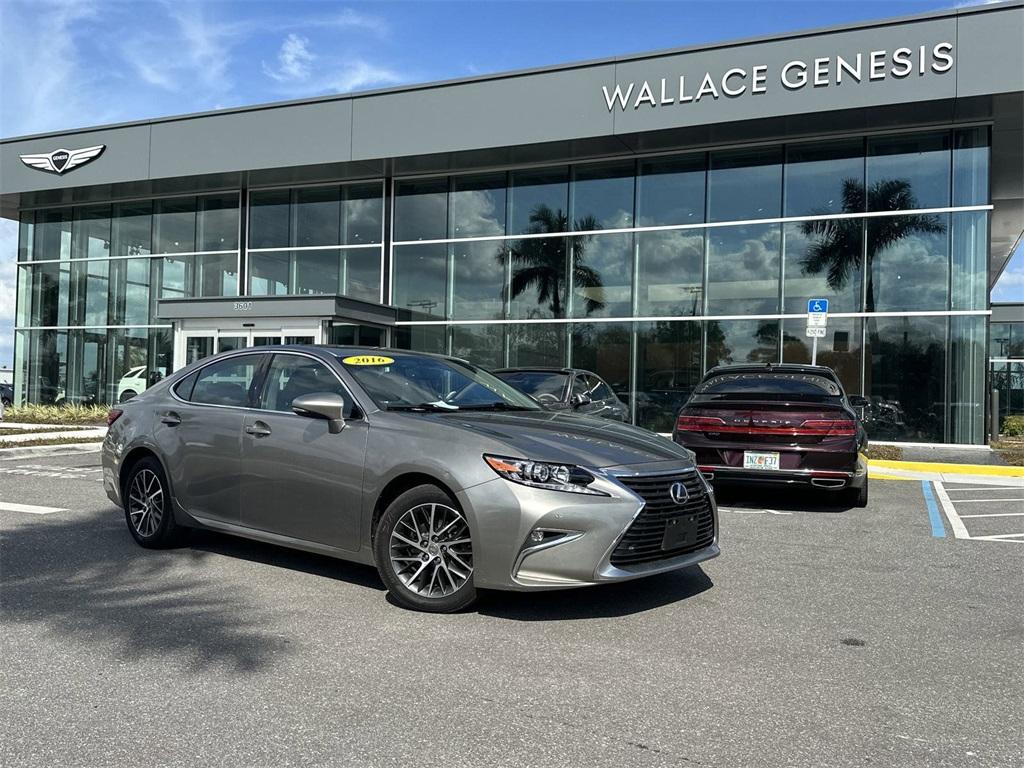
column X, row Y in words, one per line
column 423, row 551
column 857, row 497
column 148, row 507
column 127, row 395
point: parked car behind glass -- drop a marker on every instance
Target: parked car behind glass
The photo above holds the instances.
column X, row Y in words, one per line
column 776, row 424
column 567, row 389
column 442, row 475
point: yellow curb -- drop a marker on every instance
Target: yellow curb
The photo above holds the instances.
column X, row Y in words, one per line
column 948, row 469
column 874, row 476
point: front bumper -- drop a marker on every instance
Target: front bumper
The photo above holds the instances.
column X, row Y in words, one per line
column 833, row 480
column 584, row 530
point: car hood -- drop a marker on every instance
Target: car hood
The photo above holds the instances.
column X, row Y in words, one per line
column 566, row 438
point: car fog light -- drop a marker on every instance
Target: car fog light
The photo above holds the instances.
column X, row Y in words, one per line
column 536, row 537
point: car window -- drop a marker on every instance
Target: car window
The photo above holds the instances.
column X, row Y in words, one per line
column 419, row 382
column 580, row 386
column 600, row 390
column 536, row 383
column 183, row 388
column 796, row 385
column 291, row 376
column 227, row 382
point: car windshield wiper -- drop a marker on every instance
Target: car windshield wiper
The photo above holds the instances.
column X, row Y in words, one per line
column 496, row 406
column 438, row 406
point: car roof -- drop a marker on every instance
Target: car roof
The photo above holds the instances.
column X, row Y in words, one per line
column 816, row 370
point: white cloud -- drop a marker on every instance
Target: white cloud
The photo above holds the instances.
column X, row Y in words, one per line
column 361, row 74
column 45, row 87
column 293, row 60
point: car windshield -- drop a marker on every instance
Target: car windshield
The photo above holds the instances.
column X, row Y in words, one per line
column 536, row 383
column 397, row 381
column 773, row 386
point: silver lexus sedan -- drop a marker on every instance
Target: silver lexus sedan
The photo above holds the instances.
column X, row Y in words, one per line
column 440, row 474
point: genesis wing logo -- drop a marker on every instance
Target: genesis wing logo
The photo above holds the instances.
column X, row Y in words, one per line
column 62, row 160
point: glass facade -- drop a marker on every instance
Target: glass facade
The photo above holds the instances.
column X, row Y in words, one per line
column 711, row 260
column 314, row 240
column 1006, row 366
column 89, row 278
column 647, row 270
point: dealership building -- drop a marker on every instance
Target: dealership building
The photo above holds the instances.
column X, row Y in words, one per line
column 646, row 217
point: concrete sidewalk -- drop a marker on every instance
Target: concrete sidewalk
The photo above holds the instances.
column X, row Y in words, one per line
column 28, row 436
column 981, row 474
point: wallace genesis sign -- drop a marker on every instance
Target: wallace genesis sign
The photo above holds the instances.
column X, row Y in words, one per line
column 827, row 71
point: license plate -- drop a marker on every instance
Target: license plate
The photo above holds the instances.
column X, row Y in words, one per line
column 680, row 531
column 760, row 460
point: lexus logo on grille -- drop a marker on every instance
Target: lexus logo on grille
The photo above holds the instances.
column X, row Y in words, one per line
column 678, row 493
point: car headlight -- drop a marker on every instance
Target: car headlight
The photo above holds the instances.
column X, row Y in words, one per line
column 543, row 474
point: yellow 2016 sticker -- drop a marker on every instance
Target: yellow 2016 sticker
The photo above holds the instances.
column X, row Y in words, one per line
column 368, row 360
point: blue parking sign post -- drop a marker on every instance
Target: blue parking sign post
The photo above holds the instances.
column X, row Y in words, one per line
column 817, row 321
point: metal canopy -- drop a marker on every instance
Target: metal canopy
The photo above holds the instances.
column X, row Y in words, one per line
column 323, row 307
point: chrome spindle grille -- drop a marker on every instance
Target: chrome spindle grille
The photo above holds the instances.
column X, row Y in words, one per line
column 643, row 541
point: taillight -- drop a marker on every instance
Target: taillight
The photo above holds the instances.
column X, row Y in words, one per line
column 113, row 415
column 699, row 424
column 828, row 427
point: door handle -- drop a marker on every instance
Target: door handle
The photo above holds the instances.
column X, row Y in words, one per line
column 171, row 419
column 259, row 429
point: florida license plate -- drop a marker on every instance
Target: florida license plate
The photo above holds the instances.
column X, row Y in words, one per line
column 760, row 460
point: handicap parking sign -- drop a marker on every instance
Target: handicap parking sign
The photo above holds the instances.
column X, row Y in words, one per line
column 815, row 306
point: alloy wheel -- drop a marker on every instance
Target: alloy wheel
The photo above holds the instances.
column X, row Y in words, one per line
column 431, row 551
column 146, row 502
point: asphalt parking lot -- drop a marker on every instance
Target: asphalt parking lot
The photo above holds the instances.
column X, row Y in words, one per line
column 820, row 637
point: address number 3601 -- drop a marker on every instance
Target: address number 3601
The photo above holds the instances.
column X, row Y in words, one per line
column 242, row 306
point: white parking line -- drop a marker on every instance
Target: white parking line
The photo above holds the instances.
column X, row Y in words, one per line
column 9, row 506
column 997, row 514
column 959, row 529
column 956, row 520
column 975, row 501
column 986, row 490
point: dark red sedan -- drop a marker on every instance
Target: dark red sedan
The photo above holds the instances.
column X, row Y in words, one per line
column 776, row 424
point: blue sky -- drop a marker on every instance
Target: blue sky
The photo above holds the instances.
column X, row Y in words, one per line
column 77, row 63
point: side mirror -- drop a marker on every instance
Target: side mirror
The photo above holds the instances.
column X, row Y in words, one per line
column 578, row 401
column 322, row 405
column 858, row 401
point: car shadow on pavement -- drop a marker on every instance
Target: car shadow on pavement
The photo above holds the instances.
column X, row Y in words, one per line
column 597, row 602
column 781, row 499
column 203, row 542
column 85, row 579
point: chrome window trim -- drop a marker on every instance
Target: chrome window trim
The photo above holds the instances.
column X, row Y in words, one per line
column 211, row 360
column 84, row 327
column 704, row 225
column 316, row 248
column 698, row 318
column 162, row 255
column 264, row 352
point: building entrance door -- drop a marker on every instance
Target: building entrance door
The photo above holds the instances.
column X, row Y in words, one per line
column 192, row 345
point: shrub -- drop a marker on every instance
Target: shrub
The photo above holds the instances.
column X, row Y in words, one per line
column 56, row 414
column 884, row 452
column 1013, row 426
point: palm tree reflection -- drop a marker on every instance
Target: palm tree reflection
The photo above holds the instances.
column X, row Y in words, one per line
column 835, row 247
column 539, row 264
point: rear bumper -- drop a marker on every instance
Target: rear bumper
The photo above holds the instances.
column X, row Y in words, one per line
column 832, row 480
